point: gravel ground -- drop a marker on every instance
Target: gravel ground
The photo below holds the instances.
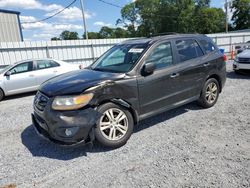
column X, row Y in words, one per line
column 185, row 147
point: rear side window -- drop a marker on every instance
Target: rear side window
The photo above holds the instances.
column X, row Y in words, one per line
column 188, row 49
column 44, row 64
column 161, row 56
column 207, row 45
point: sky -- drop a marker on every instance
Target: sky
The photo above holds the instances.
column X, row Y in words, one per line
column 97, row 14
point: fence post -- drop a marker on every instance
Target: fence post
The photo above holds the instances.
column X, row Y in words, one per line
column 92, row 52
column 47, row 51
column 216, row 40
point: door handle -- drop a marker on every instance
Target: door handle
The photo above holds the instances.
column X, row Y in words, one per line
column 55, row 71
column 206, row 64
column 174, row 75
column 31, row 75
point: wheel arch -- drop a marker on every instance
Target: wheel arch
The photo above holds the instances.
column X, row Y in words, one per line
column 2, row 90
column 124, row 104
column 3, row 93
column 217, row 77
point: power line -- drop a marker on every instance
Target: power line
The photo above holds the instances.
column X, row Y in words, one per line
column 112, row 4
column 51, row 15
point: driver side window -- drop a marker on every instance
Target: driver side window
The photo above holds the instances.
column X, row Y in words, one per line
column 161, row 56
column 21, row 68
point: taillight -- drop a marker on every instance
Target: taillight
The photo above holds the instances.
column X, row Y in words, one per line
column 224, row 57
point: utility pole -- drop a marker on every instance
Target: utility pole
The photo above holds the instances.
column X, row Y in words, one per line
column 84, row 21
column 226, row 8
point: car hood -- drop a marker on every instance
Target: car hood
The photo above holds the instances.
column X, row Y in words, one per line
column 245, row 54
column 76, row 82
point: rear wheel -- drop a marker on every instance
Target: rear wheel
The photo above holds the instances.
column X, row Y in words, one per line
column 1, row 94
column 210, row 93
column 115, row 126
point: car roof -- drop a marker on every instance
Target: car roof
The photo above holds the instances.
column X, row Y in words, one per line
column 154, row 39
column 36, row 59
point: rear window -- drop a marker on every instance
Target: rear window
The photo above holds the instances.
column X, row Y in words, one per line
column 208, row 46
column 188, row 49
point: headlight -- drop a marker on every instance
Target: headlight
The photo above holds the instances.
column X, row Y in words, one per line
column 71, row 102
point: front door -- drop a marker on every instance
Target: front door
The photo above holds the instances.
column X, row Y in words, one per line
column 158, row 90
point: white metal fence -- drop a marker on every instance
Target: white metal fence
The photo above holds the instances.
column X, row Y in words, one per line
column 73, row 51
column 84, row 52
column 228, row 41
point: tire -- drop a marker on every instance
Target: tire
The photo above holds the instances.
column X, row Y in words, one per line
column 111, row 132
column 1, row 94
column 209, row 95
column 237, row 72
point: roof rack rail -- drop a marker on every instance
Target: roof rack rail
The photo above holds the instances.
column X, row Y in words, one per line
column 162, row 34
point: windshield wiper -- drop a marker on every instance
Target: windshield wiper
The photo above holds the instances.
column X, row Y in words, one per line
column 106, row 70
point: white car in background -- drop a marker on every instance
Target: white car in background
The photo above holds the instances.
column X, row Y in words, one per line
column 242, row 61
column 28, row 75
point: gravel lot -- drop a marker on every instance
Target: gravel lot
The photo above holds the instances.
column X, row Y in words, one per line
column 185, row 147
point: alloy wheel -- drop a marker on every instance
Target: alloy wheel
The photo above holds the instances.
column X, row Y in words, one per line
column 114, row 124
column 211, row 92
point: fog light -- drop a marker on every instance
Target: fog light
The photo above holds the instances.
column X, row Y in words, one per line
column 68, row 132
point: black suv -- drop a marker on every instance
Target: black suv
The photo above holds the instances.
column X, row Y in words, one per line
column 132, row 81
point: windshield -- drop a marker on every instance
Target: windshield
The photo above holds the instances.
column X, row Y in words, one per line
column 2, row 70
column 120, row 58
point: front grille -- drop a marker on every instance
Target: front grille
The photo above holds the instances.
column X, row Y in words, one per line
column 40, row 101
column 244, row 60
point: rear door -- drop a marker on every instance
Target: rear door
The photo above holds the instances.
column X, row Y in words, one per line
column 192, row 69
column 46, row 69
column 22, row 79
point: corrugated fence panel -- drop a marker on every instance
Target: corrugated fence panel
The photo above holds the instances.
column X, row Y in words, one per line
column 86, row 51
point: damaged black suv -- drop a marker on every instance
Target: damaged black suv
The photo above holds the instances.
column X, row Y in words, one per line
column 132, row 81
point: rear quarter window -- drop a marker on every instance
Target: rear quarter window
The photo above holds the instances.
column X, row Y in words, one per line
column 208, row 46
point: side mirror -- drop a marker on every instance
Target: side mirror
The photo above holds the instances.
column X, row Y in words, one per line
column 8, row 73
column 148, row 68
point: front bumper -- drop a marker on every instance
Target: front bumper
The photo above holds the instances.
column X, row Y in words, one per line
column 239, row 66
column 65, row 127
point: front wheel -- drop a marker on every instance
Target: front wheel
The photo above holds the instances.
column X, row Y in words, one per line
column 210, row 93
column 115, row 126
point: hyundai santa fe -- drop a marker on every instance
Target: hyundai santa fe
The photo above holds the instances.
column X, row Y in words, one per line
column 134, row 80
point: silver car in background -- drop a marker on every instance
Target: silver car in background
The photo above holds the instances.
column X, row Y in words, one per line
column 242, row 61
column 27, row 76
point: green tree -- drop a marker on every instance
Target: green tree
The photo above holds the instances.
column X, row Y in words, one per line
column 55, row 38
column 69, row 35
column 121, row 33
column 182, row 16
column 150, row 16
column 92, row 35
column 241, row 14
column 129, row 18
column 210, row 20
column 106, row 32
